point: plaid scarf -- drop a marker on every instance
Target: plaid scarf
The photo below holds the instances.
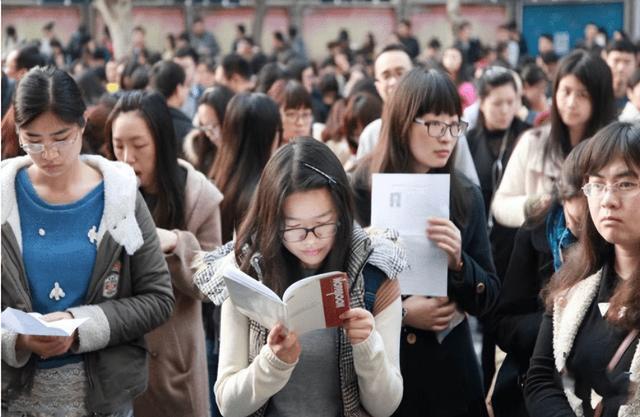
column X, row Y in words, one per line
column 376, row 247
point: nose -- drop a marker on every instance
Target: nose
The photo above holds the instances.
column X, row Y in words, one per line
column 49, row 152
column 609, row 198
column 128, row 156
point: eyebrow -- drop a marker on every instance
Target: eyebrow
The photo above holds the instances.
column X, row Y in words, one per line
column 316, row 217
column 38, row 135
column 622, row 174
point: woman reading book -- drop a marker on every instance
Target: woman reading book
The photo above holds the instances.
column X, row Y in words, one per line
column 420, row 130
column 300, row 223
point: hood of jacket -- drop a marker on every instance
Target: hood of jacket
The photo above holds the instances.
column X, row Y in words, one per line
column 120, row 191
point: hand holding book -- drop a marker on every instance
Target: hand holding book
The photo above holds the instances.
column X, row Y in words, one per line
column 358, row 324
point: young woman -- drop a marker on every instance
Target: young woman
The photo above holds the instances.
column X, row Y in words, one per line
column 420, row 127
column 539, row 248
column 77, row 241
column 185, row 208
column 534, row 97
column 586, row 360
column 251, row 132
column 582, row 103
column 491, row 143
column 296, row 112
column 301, row 223
column 201, row 145
column 453, row 65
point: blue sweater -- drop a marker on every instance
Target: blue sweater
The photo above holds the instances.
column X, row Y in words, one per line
column 59, row 249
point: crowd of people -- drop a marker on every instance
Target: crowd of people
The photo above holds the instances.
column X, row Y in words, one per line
column 130, row 185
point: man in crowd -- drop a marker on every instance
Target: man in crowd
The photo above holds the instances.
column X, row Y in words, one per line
column 621, row 58
column 235, row 73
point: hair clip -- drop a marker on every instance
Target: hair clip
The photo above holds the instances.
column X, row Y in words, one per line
column 329, row 178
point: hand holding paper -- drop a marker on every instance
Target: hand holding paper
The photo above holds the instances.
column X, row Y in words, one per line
column 35, row 324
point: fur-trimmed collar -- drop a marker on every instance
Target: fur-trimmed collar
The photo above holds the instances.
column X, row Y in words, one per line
column 568, row 313
column 120, row 192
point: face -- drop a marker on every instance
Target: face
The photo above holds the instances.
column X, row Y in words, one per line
column 309, row 209
column 133, row 144
column 622, row 65
column 544, row 45
column 389, row 69
column 404, row 30
column 62, row 142
column 209, row 121
column 220, row 76
column 452, row 60
column 536, row 92
column 137, row 39
column 574, row 102
column 499, row 107
column 573, row 209
column 187, row 63
column 614, row 215
column 429, row 152
column 11, row 66
column 111, row 70
column 204, row 77
column 296, row 122
column 308, row 79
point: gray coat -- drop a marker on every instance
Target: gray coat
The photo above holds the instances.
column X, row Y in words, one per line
column 128, row 258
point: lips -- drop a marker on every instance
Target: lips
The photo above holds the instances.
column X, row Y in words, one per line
column 442, row 153
column 611, row 219
column 313, row 252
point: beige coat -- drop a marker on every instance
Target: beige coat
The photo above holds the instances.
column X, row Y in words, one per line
column 526, row 176
column 178, row 381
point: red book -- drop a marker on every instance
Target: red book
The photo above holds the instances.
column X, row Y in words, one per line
column 311, row 303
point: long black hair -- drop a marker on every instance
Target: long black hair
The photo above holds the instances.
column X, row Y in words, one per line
column 169, row 209
column 302, row 165
column 596, row 77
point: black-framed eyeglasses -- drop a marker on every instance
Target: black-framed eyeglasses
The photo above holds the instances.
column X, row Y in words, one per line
column 438, row 129
column 321, row 231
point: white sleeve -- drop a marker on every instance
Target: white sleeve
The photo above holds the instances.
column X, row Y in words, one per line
column 368, row 138
column 10, row 355
column 242, row 388
column 377, row 363
column 510, row 198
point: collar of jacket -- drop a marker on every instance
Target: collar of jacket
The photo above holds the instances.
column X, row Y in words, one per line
column 120, row 192
column 568, row 313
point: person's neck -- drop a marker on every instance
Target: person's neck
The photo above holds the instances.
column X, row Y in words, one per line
column 627, row 260
column 174, row 101
column 60, row 184
column 576, row 134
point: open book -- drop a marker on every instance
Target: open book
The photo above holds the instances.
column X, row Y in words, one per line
column 20, row 322
column 312, row 303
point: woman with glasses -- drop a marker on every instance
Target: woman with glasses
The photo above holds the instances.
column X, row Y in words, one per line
column 582, row 104
column 539, row 249
column 420, row 128
column 201, row 145
column 252, row 131
column 77, row 242
column 586, row 361
column 185, row 208
column 300, row 223
column 296, row 111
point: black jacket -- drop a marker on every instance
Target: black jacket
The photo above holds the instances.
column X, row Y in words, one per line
column 518, row 316
column 181, row 126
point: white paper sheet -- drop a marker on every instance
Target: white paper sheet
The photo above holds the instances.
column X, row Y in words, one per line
column 404, row 202
column 20, row 322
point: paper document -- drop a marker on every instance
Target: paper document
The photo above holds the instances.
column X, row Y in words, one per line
column 20, row 322
column 311, row 303
column 404, row 202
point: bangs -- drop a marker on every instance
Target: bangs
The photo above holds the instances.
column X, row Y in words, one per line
column 440, row 97
column 296, row 96
column 615, row 141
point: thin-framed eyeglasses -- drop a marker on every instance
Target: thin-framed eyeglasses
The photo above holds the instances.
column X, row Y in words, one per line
column 622, row 189
column 210, row 130
column 299, row 234
column 293, row 116
column 438, row 129
column 37, row 148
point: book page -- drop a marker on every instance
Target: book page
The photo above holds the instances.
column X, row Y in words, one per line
column 254, row 299
column 404, row 202
column 316, row 302
column 18, row 321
